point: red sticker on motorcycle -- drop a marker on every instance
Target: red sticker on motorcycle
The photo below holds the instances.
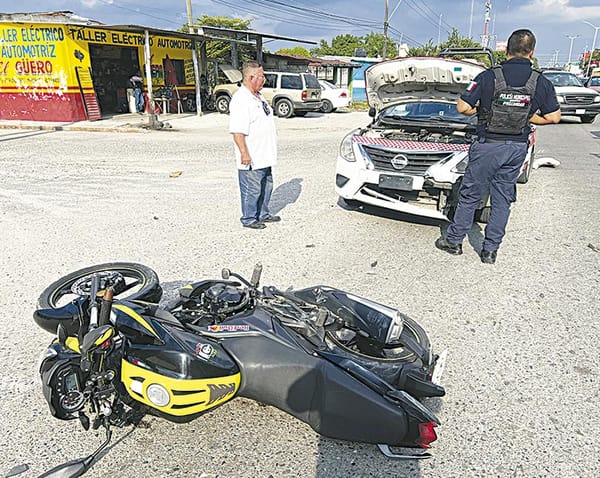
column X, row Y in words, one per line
column 228, row 328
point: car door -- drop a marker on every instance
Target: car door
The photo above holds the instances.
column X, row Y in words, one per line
column 270, row 87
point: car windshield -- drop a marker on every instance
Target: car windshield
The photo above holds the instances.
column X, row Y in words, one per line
column 563, row 79
column 425, row 110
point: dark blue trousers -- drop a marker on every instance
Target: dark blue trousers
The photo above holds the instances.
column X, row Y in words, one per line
column 494, row 168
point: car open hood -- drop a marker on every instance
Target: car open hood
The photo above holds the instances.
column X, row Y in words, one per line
column 233, row 74
column 393, row 81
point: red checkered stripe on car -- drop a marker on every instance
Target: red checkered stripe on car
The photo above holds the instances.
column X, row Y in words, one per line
column 411, row 145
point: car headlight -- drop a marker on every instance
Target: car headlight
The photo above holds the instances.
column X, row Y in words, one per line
column 597, row 99
column 346, row 149
column 560, row 98
column 461, row 167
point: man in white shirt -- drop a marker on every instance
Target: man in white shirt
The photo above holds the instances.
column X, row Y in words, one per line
column 252, row 126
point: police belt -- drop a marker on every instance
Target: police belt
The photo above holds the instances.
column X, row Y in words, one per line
column 501, row 141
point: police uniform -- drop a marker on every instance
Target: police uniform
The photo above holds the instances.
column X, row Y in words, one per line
column 495, row 160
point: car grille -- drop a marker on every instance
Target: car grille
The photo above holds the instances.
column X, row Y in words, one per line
column 418, row 162
column 579, row 99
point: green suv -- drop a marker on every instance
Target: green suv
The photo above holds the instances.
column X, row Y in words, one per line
column 288, row 93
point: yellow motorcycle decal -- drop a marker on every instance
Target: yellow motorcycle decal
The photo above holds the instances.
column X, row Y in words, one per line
column 180, row 397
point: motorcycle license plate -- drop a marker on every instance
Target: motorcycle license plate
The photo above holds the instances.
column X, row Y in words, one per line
column 438, row 369
column 401, row 183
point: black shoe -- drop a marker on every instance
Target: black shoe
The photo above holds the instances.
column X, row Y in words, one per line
column 255, row 225
column 270, row 218
column 443, row 245
column 488, row 257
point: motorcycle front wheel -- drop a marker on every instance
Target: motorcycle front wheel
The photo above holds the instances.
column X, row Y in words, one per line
column 129, row 280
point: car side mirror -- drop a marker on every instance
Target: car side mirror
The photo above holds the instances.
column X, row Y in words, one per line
column 372, row 112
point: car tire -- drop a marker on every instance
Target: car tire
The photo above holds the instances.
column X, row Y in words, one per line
column 189, row 104
column 587, row 119
column 222, row 104
column 284, row 108
column 327, row 106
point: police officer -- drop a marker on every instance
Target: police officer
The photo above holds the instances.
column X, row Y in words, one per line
column 506, row 98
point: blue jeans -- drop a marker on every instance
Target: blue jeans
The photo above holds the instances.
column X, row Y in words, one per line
column 256, row 186
column 493, row 168
column 139, row 100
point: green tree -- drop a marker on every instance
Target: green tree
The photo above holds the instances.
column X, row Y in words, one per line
column 346, row 45
column 220, row 50
column 295, row 51
column 373, row 44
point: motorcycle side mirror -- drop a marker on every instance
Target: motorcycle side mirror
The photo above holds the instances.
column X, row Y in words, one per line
column 256, row 275
column 62, row 335
column 225, row 273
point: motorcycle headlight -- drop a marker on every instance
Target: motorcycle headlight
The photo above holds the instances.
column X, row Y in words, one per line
column 560, row 98
column 158, row 395
column 346, row 150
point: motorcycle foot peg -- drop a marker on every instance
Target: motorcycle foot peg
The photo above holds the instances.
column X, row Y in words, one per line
column 387, row 451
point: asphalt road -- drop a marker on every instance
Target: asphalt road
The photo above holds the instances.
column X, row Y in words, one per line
column 522, row 374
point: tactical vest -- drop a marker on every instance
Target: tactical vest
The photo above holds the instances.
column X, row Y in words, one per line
column 511, row 105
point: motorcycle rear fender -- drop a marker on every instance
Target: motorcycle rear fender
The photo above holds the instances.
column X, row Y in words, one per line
column 333, row 402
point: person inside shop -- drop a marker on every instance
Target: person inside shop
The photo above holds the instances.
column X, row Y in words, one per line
column 137, row 83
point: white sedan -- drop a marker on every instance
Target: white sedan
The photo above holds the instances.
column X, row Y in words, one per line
column 333, row 97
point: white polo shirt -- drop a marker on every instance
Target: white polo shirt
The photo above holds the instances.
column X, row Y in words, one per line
column 247, row 116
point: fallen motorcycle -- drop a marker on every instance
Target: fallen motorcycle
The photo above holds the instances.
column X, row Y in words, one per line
column 349, row 367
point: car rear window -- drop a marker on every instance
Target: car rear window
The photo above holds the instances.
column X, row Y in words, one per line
column 291, row 82
column 311, row 81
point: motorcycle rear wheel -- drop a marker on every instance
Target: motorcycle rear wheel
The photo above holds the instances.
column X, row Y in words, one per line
column 139, row 283
column 387, row 355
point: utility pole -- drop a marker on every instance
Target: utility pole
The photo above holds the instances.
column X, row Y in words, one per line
column 471, row 20
column 194, row 58
column 571, row 37
column 485, row 38
column 385, row 29
column 587, row 71
column 439, row 30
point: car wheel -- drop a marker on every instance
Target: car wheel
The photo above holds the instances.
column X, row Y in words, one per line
column 588, row 118
column 483, row 215
column 284, row 108
column 524, row 177
column 222, row 104
column 327, row 106
column 190, row 104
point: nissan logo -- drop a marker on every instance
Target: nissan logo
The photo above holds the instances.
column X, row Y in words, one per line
column 400, row 161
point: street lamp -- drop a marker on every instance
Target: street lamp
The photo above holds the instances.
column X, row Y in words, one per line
column 596, row 28
column 571, row 37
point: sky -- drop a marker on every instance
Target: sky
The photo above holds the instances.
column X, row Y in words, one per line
column 559, row 25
